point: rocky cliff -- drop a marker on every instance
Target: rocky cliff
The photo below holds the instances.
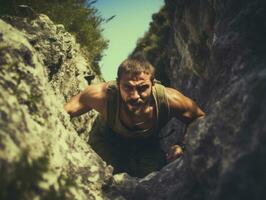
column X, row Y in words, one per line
column 41, row 154
column 213, row 53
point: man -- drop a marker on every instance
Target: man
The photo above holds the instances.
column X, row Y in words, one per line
column 135, row 108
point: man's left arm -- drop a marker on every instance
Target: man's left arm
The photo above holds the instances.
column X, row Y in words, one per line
column 186, row 110
column 182, row 107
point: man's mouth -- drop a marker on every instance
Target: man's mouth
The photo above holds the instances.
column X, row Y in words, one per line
column 135, row 103
column 135, row 107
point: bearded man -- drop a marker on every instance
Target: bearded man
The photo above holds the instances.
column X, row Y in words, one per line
column 135, row 108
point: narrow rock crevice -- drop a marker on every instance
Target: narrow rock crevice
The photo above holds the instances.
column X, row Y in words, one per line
column 212, row 51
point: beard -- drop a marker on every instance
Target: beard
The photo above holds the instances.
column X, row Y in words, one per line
column 135, row 107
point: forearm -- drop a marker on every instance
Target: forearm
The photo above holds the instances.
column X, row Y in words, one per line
column 75, row 113
column 74, row 108
column 192, row 113
column 198, row 115
column 182, row 107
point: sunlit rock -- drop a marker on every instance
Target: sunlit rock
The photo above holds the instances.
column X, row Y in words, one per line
column 41, row 154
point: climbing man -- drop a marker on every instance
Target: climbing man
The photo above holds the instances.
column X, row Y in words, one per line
column 135, row 108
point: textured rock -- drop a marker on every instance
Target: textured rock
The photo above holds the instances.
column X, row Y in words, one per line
column 63, row 60
column 217, row 57
column 41, row 155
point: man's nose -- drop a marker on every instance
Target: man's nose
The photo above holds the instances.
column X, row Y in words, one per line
column 134, row 94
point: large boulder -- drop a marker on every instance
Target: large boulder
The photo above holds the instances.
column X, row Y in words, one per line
column 66, row 67
column 41, row 154
column 217, row 57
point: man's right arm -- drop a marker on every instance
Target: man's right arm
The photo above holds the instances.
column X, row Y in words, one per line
column 93, row 97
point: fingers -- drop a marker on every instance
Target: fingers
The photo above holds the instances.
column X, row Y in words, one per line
column 174, row 152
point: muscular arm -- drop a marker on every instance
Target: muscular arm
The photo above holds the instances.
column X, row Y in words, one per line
column 183, row 107
column 93, row 97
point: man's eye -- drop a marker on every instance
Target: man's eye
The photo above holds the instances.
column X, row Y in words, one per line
column 127, row 87
column 143, row 88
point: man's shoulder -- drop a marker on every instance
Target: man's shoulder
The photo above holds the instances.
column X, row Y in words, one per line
column 173, row 95
column 172, row 92
column 102, row 91
column 95, row 92
column 97, row 88
column 111, row 85
column 95, row 97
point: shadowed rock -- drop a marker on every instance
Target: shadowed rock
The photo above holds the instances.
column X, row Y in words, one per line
column 216, row 56
column 217, row 59
column 26, row 11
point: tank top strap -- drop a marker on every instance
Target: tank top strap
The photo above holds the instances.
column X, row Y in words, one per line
column 112, row 99
column 163, row 105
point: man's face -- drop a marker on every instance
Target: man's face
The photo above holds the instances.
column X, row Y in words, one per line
column 135, row 91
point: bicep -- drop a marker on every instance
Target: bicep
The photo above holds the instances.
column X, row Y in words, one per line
column 90, row 98
column 182, row 107
column 74, row 107
column 93, row 97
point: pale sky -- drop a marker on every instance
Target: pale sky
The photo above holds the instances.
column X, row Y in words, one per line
column 131, row 22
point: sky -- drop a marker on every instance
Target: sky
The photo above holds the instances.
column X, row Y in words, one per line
column 130, row 23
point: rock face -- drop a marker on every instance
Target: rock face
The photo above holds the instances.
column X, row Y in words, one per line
column 62, row 59
column 217, row 57
column 41, row 154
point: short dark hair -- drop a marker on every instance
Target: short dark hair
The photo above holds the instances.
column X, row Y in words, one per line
column 135, row 64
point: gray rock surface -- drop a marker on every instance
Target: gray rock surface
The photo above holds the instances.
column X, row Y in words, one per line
column 217, row 57
column 41, row 154
column 65, row 65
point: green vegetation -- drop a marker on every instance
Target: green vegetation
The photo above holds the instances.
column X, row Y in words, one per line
column 78, row 16
column 154, row 44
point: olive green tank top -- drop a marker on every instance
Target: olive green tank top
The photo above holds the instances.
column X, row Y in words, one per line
column 162, row 112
